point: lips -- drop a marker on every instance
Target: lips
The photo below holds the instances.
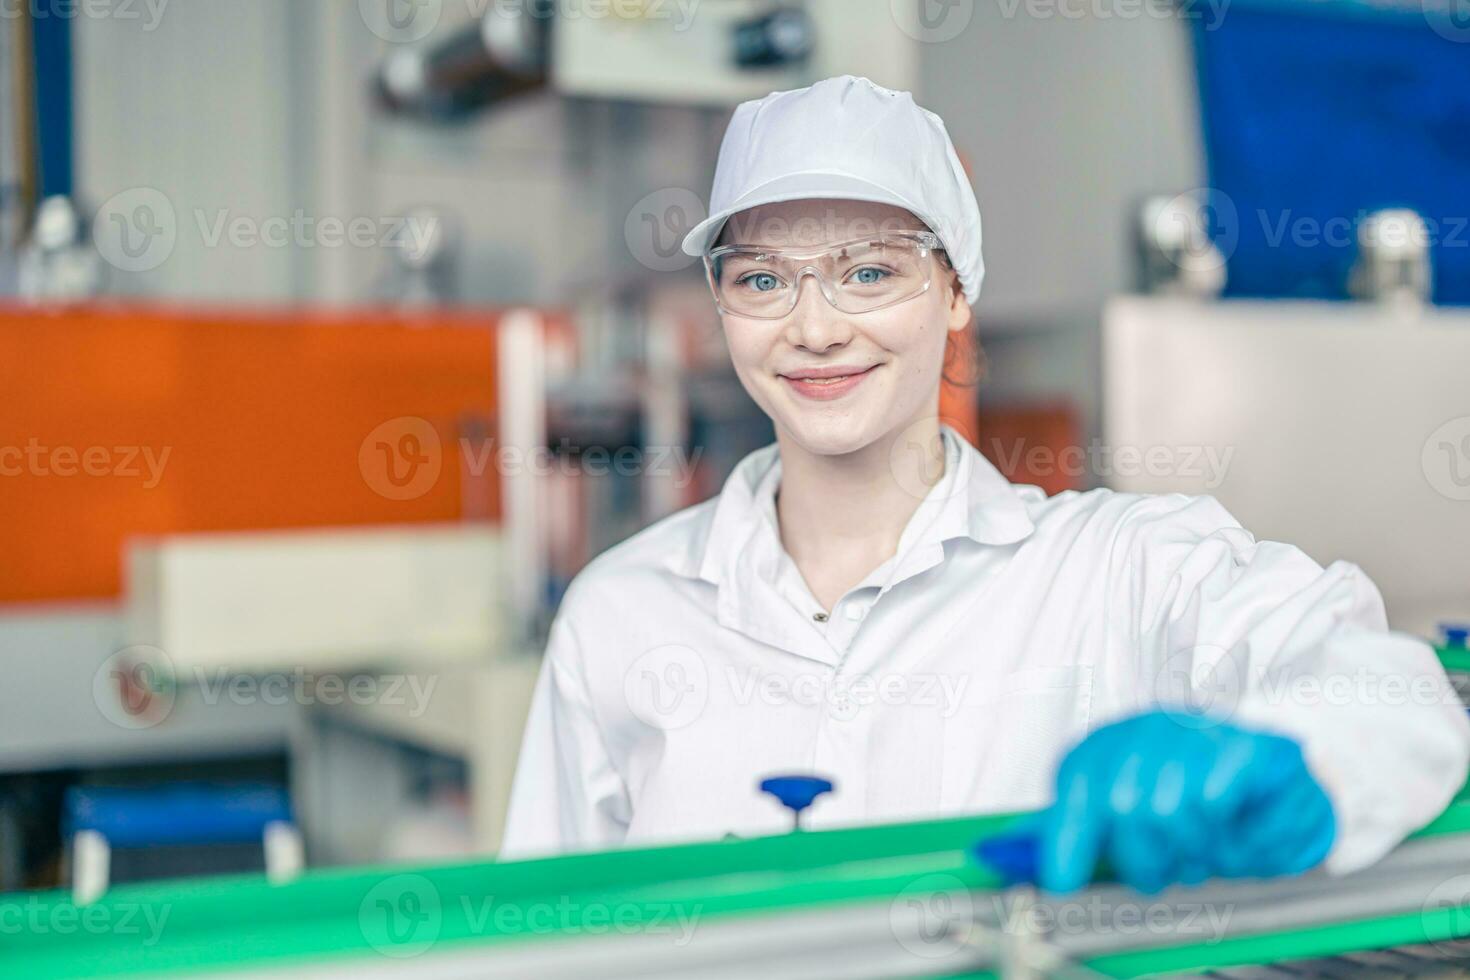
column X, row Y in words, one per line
column 825, row 384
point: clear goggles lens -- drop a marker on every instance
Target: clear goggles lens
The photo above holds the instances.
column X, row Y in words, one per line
column 855, row 277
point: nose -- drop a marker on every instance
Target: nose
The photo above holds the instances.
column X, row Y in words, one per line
column 815, row 325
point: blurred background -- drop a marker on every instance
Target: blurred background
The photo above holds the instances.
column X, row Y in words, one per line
column 335, row 337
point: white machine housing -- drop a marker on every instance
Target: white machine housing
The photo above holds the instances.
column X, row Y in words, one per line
column 1344, row 427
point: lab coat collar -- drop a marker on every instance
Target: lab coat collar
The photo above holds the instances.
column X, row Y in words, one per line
column 972, row 500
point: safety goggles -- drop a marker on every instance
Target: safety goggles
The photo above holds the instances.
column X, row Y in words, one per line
column 859, row 276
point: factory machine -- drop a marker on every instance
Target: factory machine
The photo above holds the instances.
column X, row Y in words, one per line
column 911, row 899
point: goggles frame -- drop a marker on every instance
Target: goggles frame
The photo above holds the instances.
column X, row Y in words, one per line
column 927, row 242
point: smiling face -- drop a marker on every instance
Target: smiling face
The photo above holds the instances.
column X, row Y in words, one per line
column 832, row 382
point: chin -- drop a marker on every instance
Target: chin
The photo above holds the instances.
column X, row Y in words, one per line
column 831, row 433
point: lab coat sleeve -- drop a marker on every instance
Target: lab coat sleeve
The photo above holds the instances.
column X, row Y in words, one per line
column 567, row 794
column 1260, row 634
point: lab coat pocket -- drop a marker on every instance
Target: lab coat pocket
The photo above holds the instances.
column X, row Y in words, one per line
column 1002, row 744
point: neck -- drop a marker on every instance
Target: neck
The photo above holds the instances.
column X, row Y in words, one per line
column 842, row 516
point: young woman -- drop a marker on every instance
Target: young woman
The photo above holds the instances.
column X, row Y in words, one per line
column 869, row 600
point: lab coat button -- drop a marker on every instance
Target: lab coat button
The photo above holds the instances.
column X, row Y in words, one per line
column 820, row 617
column 842, row 707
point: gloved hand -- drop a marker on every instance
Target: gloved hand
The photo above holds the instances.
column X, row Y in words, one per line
column 1168, row 798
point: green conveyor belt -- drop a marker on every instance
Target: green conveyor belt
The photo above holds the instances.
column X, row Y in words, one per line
column 1456, row 660
column 326, row 916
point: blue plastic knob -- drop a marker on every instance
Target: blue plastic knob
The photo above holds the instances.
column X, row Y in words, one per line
column 796, row 793
column 1015, row 856
column 1455, row 634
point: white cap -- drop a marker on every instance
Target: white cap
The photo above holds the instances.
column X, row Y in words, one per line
column 850, row 139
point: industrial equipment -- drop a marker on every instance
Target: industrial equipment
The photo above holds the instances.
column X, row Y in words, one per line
column 908, row 899
column 1339, row 427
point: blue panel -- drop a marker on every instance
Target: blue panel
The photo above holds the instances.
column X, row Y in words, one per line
column 1318, row 112
column 180, row 813
column 52, row 34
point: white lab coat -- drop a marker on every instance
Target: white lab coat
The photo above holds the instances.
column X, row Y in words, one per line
column 690, row 661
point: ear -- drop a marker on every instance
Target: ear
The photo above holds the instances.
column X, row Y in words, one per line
column 960, row 314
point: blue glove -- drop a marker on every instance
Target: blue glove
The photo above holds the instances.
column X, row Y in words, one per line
column 1168, row 798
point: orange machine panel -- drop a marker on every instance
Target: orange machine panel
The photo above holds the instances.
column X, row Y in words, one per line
column 120, row 421
column 1040, row 444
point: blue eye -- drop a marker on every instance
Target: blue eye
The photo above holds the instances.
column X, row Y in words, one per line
column 869, row 275
column 761, row 282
